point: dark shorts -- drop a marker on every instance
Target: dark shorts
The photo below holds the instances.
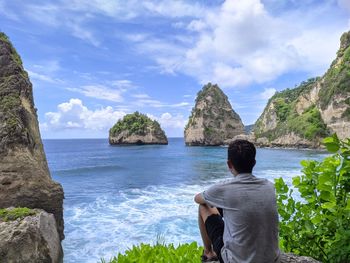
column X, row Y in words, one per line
column 215, row 229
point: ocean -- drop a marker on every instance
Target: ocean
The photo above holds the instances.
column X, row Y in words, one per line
column 120, row 196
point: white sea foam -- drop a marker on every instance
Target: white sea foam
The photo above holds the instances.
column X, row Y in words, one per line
column 114, row 222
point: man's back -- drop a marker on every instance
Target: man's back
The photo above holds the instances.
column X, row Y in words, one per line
column 250, row 217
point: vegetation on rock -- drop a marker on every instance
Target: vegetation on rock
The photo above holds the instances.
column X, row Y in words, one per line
column 135, row 123
column 337, row 78
column 10, row 214
column 14, row 54
column 308, row 125
column 318, row 223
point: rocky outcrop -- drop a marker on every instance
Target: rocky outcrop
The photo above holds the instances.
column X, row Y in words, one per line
column 248, row 137
column 291, row 258
column 137, row 128
column 212, row 121
column 303, row 116
column 25, row 179
column 31, row 239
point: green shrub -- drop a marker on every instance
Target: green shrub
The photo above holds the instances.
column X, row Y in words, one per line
column 309, row 124
column 15, row 213
column 144, row 253
column 318, row 225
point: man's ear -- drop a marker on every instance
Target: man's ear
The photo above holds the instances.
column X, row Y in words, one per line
column 229, row 164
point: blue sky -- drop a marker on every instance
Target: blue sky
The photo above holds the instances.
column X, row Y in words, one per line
column 92, row 62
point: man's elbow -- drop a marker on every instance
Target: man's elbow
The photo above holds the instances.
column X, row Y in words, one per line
column 198, row 198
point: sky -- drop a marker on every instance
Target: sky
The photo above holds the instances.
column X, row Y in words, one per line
column 92, row 62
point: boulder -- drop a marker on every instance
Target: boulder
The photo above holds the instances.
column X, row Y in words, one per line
column 25, row 179
column 291, row 258
column 33, row 239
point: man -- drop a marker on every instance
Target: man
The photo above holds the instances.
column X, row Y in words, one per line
column 247, row 229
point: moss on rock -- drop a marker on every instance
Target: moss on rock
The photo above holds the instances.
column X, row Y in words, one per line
column 10, row 214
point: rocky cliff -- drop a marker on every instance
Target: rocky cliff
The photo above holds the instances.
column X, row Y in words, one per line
column 212, row 121
column 25, row 179
column 320, row 106
column 30, row 238
column 137, row 128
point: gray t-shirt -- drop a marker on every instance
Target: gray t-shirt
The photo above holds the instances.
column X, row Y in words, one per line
column 250, row 216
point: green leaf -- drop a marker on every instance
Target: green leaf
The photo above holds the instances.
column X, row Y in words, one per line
column 328, row 205
column 332, row 147
column 296, row 181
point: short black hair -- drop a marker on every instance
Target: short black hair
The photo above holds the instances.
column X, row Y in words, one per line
column 242, row 153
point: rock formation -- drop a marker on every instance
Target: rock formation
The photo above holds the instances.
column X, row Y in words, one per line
column 291, row 258
column 137, row 128
column 31, row 239
column 212, row 121
column 301, row 117
column 25, row 179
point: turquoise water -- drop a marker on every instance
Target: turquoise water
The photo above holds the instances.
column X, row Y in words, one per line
column 118, row 196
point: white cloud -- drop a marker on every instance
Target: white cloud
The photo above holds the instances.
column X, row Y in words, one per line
column 82, row 33
column 169, row 121
column 100, row 92
column 42, row 77
column 141, row 96
column 174, row 8
column 242, row 43
column 149, row 102
column 113, row 92
column 267, row 93
column 6, row 12
column 123, row 84
column 45, row 71
column 74, row 115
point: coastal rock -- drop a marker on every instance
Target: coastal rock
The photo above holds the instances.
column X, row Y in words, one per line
column 303, row 116
column 262, row 142
column 247, row 137
column 212, row 121
column 31, row 239
column 25, row 179
column 291, row 258
column 137, row 128
column 293, row 140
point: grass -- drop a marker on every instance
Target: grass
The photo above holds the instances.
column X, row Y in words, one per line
column 7, row 214
column 159, row 253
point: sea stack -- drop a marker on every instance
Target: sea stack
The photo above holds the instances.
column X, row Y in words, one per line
column 137, row 128
column 25, row 179
column 212, row 121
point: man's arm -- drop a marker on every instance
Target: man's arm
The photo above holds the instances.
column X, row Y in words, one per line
column 199, row 199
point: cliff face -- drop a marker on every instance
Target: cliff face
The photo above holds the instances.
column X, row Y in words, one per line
column 138, row 129
column 212, row 121
column 301, row 117
column 25, row 179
